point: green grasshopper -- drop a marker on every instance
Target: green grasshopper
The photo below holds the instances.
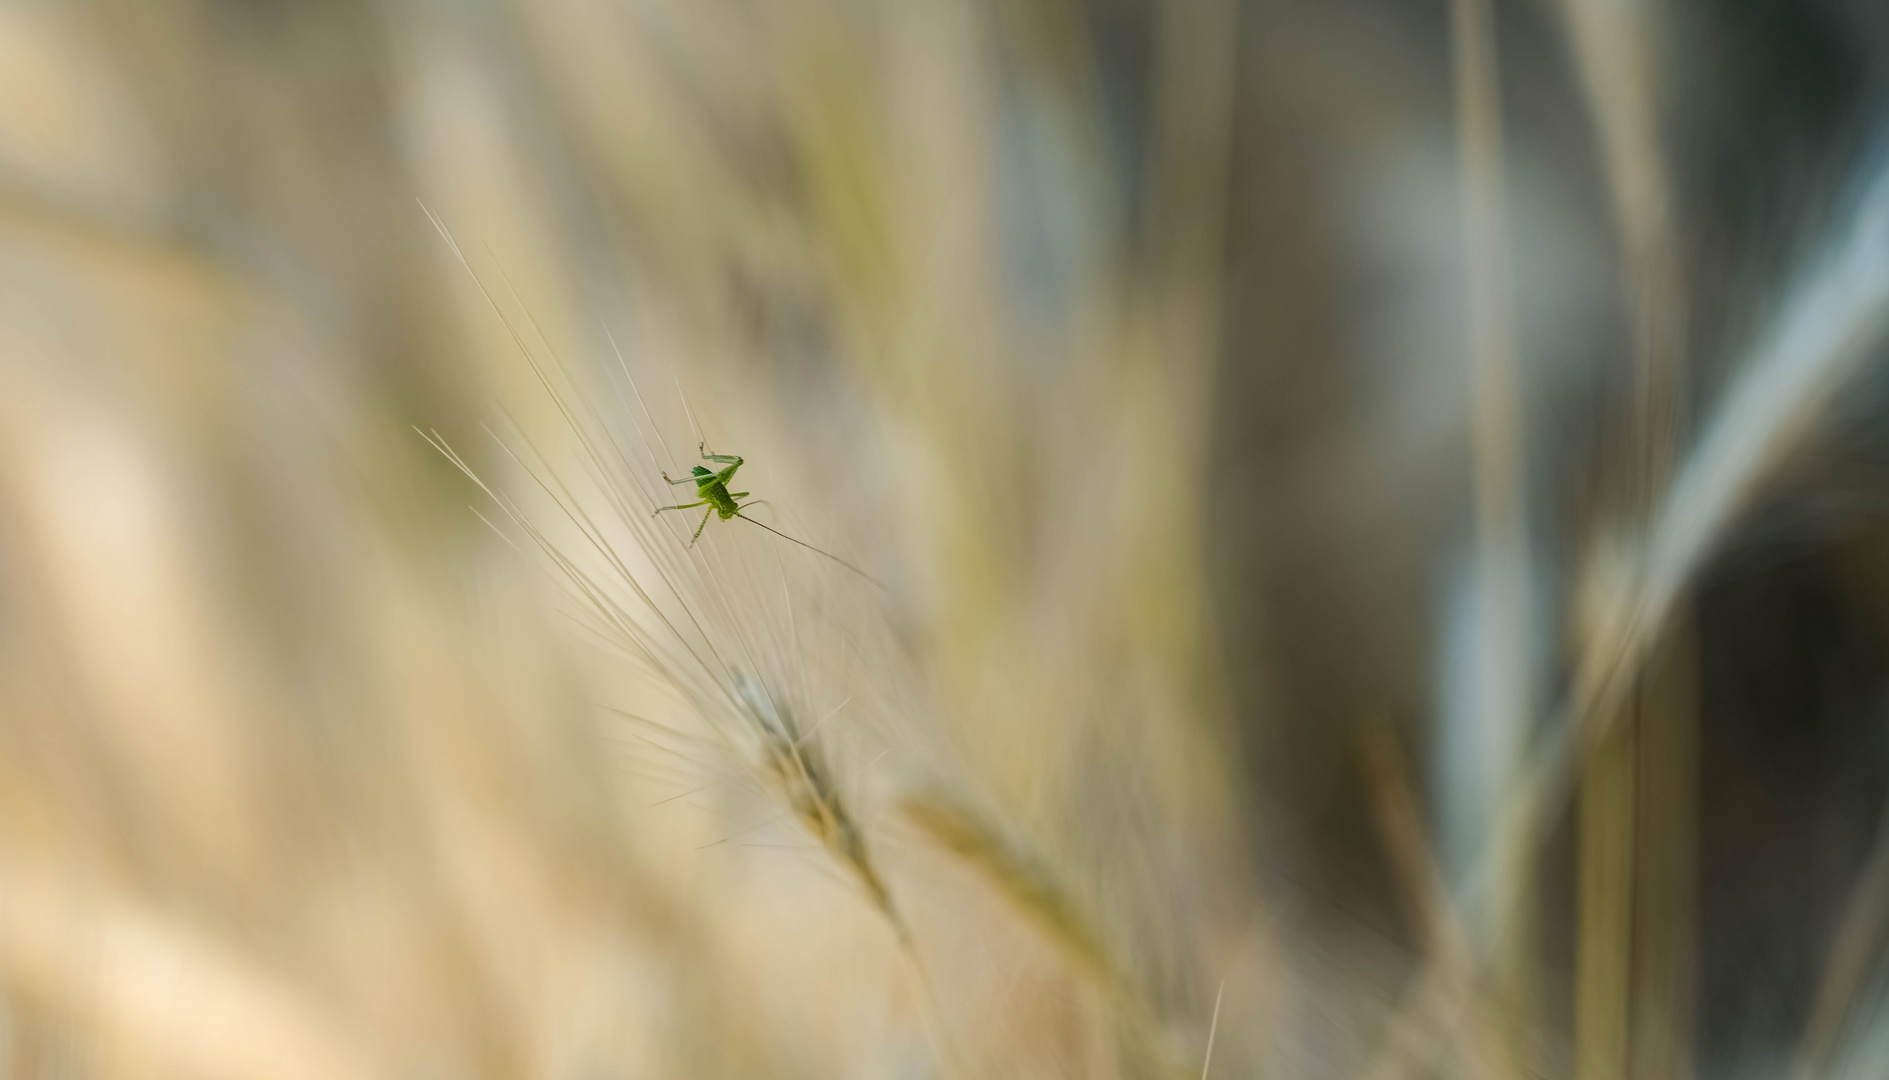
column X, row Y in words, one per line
column 713, row 489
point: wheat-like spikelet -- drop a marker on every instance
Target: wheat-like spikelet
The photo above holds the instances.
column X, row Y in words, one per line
column 805, row 781
column 1023, row 875
column 697, row 620
column 1040, row 890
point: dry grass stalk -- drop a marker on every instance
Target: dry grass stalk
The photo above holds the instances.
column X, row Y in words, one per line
column 1604, row 932
column 1446, row 998
column 1664, row 942
column 1612, row 45
column 1504, row 559
column 1834, row 1034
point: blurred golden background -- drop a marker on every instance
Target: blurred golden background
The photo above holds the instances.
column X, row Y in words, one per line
column 1368, row 518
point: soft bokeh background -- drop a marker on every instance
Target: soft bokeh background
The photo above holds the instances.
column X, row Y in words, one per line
column 1381, row 511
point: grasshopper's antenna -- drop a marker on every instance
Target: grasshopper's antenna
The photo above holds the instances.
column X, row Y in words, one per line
column 810, row 547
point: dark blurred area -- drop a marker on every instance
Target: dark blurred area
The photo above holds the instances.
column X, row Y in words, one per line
column 1338, row 509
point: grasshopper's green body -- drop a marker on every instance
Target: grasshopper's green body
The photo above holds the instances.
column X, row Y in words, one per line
column 713, row 488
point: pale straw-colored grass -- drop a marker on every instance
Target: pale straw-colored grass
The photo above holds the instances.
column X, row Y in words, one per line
column 304, row 773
